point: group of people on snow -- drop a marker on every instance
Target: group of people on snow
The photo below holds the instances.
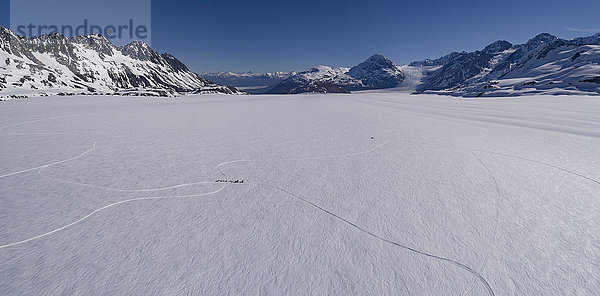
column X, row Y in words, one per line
column 229, row 181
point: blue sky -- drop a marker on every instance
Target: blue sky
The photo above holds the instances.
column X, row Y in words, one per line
column 233, row 35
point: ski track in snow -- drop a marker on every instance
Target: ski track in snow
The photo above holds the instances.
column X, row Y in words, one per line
column 542, row 163
column 476, row 274
column 510, row 156
column 121, row 190
column 106, row 207
column 50, row 133
column 498, row 196
column 50, row 164
column 407, row 248
column 27, row 134
column 110, row 189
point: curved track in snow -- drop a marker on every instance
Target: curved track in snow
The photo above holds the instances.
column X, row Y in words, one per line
column 104, row 208
column 542, row 163
column 50, row 164
column 119, row 189
column 510, row 156
column 498, row 196
column 407, row 248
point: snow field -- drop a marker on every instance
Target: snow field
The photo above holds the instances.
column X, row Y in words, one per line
column 451, row 196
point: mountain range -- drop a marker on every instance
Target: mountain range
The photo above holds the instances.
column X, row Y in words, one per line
column 248, row 79
column 545, row 64
column 91, row 64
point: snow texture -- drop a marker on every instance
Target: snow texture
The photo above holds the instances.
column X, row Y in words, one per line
column 360, row 194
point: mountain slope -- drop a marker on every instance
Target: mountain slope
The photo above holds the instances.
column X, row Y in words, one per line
column 377, row 72
column 55, row 64
column 456, row 68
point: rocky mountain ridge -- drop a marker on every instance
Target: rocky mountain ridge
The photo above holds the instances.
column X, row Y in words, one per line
column 56, row 65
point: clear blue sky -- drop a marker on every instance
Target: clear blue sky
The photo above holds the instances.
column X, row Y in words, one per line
column 245, row 35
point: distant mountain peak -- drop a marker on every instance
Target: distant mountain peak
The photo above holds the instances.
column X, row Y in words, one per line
column 377, row 60
column 542, row 38
column 377, row 72
column 321, row 68
column 138, row 44
column 141, row 51
column 497, row 46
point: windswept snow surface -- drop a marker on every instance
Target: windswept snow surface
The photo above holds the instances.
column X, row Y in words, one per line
column 116, row 196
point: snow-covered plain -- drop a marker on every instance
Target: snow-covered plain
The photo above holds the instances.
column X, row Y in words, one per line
column 116, row 196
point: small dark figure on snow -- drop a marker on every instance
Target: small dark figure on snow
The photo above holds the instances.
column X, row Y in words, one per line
column 372, row 138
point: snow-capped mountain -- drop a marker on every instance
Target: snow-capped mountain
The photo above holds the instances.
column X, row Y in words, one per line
column 377, row 72
column 323, row 79
column 545, row 64
column 248, row 79
column 55, row 64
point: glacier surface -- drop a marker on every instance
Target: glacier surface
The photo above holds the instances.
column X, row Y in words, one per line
column 355, row 194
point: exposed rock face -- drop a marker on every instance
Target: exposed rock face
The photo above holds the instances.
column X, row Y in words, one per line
column 497, row 47
column 457, row 68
